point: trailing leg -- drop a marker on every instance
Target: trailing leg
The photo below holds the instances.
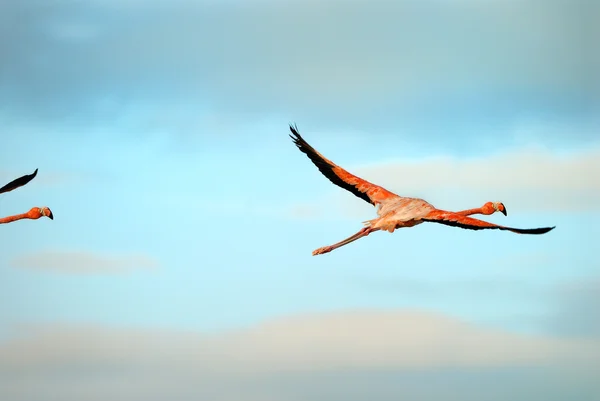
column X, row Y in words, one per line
column 362, row 233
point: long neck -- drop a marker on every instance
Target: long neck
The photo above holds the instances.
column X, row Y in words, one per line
column 469, row 212
column 14, row 218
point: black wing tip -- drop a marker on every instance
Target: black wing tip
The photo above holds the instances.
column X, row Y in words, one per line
column 294, row 129
column 298, row 140
column 543, row 230
column 295, row 135
column 325, row 166
column 19, row 182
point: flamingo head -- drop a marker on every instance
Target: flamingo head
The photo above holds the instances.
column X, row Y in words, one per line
column 37, row 212
column 499, row 207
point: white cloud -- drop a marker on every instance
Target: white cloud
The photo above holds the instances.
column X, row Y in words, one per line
column 520, row 170
column 577, row 308
column 338, row 340
column 344, row 62
column 524, row 180
column 92, row 362
column 83, row 262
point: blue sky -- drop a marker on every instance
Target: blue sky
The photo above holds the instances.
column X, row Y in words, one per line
column 182, row 206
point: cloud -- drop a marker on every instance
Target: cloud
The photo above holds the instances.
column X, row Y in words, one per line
column 577, row 312
column 519, row 170
column 272, row 360
column 83, row 262
column 378, row 65
column 524, row 180
column 338, row 340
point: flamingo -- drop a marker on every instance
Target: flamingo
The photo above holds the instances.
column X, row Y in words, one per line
column 35, row 212
column 397, row 211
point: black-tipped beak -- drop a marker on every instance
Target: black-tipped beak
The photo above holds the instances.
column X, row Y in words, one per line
column 51, row 216
column 503, row 210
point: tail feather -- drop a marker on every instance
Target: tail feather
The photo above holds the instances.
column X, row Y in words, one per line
column 369, row 223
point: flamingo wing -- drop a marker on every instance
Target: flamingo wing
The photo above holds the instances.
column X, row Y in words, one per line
column 19, row 182
column 371, row 193
column 457, row 220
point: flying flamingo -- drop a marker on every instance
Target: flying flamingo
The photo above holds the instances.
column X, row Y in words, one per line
column 397, row 211
column 35, row 212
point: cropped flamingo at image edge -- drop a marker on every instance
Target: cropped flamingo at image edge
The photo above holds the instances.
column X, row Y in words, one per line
column 35, row 212
column 397, row 211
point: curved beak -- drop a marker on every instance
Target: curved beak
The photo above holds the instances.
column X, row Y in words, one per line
column 51, row 216
column 503, row 209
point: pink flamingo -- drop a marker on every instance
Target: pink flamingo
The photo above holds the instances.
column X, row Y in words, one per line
column 397, row 211
column 35, row 212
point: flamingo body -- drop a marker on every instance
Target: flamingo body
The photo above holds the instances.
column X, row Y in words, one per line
column 396, row 211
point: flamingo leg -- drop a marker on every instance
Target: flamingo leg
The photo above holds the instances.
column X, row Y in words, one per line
column 362, row 233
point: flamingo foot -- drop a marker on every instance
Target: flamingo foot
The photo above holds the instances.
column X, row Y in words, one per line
column 322, row 250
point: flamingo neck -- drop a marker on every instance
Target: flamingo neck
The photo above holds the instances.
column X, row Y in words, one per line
column 469, row 212
column 14, row 218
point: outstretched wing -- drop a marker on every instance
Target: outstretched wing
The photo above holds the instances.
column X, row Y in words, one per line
column 19, row 182
column 457, row 220
column 371, row 193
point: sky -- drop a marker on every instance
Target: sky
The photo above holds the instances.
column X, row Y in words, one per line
column 178, row 264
